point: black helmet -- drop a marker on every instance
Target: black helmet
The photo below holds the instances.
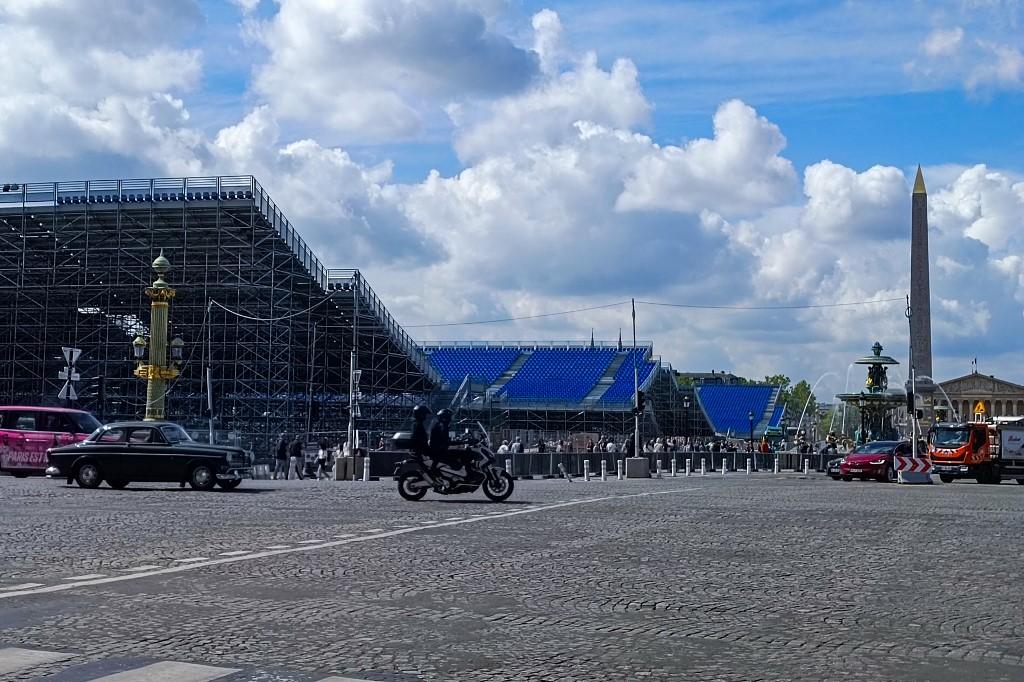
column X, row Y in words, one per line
column 444, row 416
column 420, row 412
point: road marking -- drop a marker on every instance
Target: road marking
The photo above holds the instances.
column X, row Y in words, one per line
column 343, row 679
column 147, row 567
column 192, row 559
column 344, row 535
column 278, row 546
column 14, row 659
column 90, row 576
column 454, row 518
column 373, row 530
column 309, row 542
column 22, row 586
column 199, row 562
column 237, row 552
column 170, row 671
column 428, row 522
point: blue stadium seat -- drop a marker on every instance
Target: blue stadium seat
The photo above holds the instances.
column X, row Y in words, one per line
column 727, row 407
column 621, row 389
column 484, row 365
column 558, row 374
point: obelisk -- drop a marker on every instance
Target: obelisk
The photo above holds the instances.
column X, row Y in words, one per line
column 921, row 300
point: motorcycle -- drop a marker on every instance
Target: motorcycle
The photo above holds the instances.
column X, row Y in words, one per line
column 418, row 473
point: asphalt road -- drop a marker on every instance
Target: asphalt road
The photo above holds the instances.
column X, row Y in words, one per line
column 724, row 578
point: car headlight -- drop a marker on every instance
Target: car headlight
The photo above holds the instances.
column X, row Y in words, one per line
column 877, row 462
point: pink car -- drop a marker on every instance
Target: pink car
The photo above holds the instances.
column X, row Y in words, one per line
column 27, row 432
column 873, row 460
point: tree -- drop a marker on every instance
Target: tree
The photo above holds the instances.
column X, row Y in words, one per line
column 801, row 395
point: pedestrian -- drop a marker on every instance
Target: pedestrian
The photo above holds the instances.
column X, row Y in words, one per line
column 517, row 445
column 503, row 448
column 610, row 447
column 297, row 459
column 321, row 459
column 542, row 447
column 281, row 457
column 590, row 446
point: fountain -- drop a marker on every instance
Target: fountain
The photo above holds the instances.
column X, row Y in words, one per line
column 876, row 401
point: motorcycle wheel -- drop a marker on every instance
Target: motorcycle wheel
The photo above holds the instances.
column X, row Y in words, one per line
column 405, row 488
column 500, row 490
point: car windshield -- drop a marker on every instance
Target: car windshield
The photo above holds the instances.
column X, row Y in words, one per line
column 174, row 433
column 874, row 449
column 85, row 422
column 946, row 438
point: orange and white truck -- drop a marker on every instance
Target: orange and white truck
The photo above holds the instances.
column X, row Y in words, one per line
column 988, row 452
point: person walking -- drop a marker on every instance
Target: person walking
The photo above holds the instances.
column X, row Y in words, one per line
column 321, row 459
column 281, row 457
column 297, row 460
column 503, row 449
column 517, row 445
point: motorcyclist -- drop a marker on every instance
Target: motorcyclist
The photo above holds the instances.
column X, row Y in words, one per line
column 440, row 444
column 420, row 439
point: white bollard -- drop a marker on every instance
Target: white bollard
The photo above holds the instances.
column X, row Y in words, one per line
column 673, row 467
column 586, row 470
column 687, row 467
column 618, row 467
column 807, row 466
column 725, row 467
column 749, row 468
column 658, row 469
column 508, row 465
column 604, row 471
column 776, row 465
column 703, row 467
column 366, row 469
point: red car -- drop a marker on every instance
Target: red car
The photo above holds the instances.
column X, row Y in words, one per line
column 873, row 460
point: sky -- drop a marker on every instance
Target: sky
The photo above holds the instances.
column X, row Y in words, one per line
column 484, row 159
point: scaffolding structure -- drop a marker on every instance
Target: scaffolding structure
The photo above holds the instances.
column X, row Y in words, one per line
column 275, row 327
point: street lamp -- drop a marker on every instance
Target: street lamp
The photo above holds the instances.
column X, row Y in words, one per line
column 158, row 371
column 750, row 420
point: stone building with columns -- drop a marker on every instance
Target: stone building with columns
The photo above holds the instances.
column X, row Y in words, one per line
column 1001, row 398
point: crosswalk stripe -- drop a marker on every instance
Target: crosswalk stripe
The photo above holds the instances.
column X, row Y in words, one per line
column 88, row 576
column 22, row 586
column 13, row 659
column 169, row 671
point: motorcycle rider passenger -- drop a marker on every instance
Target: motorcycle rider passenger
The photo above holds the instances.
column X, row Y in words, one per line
column 440, row 443
column 420, row 439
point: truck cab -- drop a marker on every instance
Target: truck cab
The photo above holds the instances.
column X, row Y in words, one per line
column 964, row 451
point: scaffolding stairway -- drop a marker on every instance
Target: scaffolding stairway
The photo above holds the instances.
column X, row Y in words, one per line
column 605, row 382
column 762, row 424
column 494, row 389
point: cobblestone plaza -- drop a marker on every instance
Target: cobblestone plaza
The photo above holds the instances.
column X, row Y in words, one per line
column 721, row 577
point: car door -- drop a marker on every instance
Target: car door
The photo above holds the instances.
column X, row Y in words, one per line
column 26, row 445
column 109, row 452
column 148, row 455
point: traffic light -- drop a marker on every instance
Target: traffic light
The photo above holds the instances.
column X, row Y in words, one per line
column 640, row 400
column 910, row 402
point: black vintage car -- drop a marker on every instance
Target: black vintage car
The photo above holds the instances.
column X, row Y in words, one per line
column 123, row 452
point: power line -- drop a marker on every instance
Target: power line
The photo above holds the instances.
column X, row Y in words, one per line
column 768, row 307
column 272, row 319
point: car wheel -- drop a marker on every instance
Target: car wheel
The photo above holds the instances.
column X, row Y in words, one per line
column 230, row 484
column 946, row 478
column 201, row 477
column 890, row 475
column 88, row 475
column 117, row 484
column 19, row 474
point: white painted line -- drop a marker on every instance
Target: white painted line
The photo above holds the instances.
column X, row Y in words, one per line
column 14, row 659
column 22, row 586
column 147, row 567
column 345, row 535
column 344, row 679
column 278, row 546
column 393, row 527
column 191, row 560
column 454, row 518
column 428, row 522
column 237, row 552
column 309, row 542
column 89, row 576
column 203, row 563
column 170, row 671
column 373, row 530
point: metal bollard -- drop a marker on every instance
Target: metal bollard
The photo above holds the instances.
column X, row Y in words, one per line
column 703, row 467
column 586, row 470
column 776, row 465
column 687, row 467
column 807, row 466
column 366, row 469
column 604, row 470
column 725, row 466
column 748, row 466
column 658, row 469
column 508, row 465
column 673, row 467
column 618, row 466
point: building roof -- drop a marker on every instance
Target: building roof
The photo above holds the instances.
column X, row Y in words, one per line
column 980, row 383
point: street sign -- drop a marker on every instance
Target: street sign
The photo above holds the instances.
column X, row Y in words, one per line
column 68, row 392
column 979, row 407
column 914, row 465
column 63, row 374
column 71, row 355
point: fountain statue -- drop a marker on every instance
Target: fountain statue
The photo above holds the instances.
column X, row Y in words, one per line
column 877, row 403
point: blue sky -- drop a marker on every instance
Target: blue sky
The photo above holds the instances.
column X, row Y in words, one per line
column 495, row 158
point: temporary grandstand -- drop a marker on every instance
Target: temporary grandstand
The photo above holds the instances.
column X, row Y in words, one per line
column 278, row 330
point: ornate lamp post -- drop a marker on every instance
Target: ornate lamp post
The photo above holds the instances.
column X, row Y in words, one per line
column 158, row 371
column 750, row 420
